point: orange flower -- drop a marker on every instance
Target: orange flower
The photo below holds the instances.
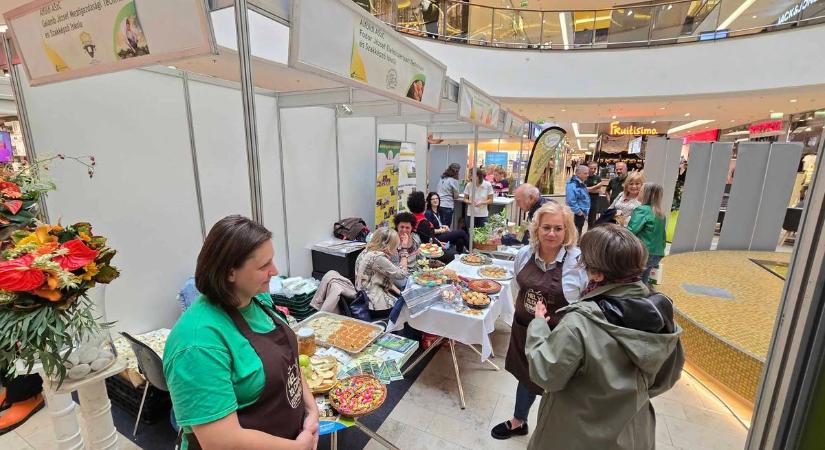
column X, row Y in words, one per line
column 84, row 237
column 45, row 249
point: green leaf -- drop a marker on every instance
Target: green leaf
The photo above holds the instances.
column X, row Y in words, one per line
column 107, row 274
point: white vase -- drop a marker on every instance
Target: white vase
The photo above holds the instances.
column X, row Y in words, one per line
column 93, row 353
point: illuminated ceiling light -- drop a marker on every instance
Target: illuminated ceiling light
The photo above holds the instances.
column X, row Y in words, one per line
column 580, row 135
column 688, row 125
column 808, row 129
column 629, row 12
column 687, row 114
column 580, row 143
column 563, row 110
column 754, row 16
column 793, row 100
column 652, row 121
column 731, row 121
column 3, row 28
column 669, row 7
column 614, row 117
column 662, row 108
column 777, row 115
column 563, row 22
column 742, row 8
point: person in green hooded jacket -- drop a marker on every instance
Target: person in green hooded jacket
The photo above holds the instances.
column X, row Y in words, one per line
column 648, row 224
column 608, row 356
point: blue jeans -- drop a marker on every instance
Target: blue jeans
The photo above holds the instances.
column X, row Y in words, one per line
column 652, row 261
column 445, row 215
column 524, row 400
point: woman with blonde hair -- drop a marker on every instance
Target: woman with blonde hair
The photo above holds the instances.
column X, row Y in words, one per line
column 547, row 272
column 648, row 223
column 375, row 273
column 628, row 200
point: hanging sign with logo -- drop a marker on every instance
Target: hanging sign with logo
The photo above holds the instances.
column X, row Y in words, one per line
column 65, row 39
column 474, row 106
column 618, row 129
column 514, row 125
column 341, row 41
column 766, row 128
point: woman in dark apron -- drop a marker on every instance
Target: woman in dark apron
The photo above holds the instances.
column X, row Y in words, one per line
column 547, row 271
column 231, row 361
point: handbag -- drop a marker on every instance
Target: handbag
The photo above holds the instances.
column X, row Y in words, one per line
column 607, row 216
column 359, row 307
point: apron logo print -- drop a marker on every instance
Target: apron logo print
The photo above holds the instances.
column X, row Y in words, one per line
column 293, row 386
column 531, row 298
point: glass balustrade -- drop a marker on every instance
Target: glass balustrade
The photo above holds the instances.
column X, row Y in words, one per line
column 628, row 26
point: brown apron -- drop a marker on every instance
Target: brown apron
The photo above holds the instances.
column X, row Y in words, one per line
column 279, row 410
column 534, row 285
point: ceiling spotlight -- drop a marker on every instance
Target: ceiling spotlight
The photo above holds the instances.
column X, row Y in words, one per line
column 808, row 129
column 629, row 12
column 652, row 121
column 3, row 28
column 687, row 114
column 731, row 121
column 563, row 110
column 614, row 117
column 793, row 100
column 344, row 109
column 662, row 107
column 669, row 7
column 753, row 17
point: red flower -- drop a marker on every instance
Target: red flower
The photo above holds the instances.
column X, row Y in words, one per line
column 18, row 275
column 13, row 205
column 78, row 256
column 9, row 189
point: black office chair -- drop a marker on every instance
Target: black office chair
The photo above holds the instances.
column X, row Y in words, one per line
column 150, row 365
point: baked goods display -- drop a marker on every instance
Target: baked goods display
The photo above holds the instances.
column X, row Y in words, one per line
column 431, row 250
column 476, row 259
column 448, row 294
column 357, row 395
column 431, row 265
column 484, row 286
column 476, row 300
column 320, row 372
column 429, row 279
column 451, row 275
column 342, row 332
column 495, row 272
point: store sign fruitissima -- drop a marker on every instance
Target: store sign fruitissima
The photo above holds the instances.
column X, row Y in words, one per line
column 773, row 126
column 339, row 40
column 64, row 39
column 795, row 11
column 616, row 129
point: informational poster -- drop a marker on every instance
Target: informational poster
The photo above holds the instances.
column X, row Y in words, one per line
column 386, row 182
column 476, row 107
column 65, row 39
column 340, row 40
column 543, row 159
column 406, row 174
column 495, row 159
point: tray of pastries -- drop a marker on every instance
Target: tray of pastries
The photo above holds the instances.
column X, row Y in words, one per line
column 476, row 259
column 431, row 265
column 484, row 286
column 495, row 272
column 321, row 372
column 429, row 279
column 476, row 300
column 431, row 250
column 346, row 333
column 357, row 395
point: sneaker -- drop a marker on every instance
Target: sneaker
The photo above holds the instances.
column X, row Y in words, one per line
column 504, row 430
column 20, row 412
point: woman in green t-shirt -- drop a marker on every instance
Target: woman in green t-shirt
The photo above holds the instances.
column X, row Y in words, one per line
column 648, row 224
column 231, row 361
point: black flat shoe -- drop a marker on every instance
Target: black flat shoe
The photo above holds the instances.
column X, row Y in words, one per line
column 504, row 430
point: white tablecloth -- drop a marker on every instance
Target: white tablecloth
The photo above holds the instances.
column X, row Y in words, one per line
column 443, row 320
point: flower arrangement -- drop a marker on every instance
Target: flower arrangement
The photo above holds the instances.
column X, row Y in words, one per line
column 45, row 313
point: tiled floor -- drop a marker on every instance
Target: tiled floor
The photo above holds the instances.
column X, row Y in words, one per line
column 428, row 417
column 37, row 433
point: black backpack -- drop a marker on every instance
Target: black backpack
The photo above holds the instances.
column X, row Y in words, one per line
column 351, row 229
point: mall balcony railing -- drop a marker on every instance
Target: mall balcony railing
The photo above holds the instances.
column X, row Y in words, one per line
column 639, row 25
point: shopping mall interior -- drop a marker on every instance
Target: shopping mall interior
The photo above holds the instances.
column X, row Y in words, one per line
column 375, row 324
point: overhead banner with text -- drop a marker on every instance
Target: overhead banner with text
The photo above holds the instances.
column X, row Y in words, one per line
column 64, row 39
column 337, row 39
column 514, row 125
column 476, row 107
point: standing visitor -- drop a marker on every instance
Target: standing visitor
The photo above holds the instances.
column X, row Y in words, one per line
column 577, row 196
column 448, row 192
column 616, row 185
column 649, row 225
column 483, row 197
column 547, row 272
column 528, row 198
column 628, row 200
column 594, row 185
column 608, row 356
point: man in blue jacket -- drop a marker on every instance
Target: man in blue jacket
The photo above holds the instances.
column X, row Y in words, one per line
column 578, row 199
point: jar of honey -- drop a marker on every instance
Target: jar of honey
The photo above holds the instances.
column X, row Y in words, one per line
column 306, row 341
